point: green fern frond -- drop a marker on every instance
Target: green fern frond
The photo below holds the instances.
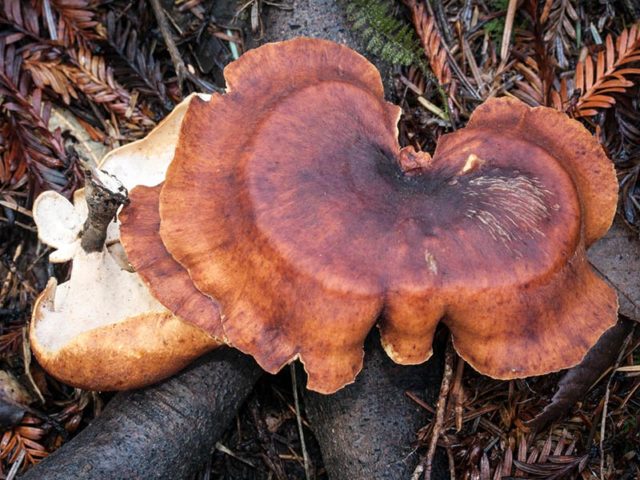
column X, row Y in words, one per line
column 390, row 38
column 386, row 36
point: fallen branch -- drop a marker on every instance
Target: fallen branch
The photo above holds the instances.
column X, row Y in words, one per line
column 164, row 431
column 366, row 429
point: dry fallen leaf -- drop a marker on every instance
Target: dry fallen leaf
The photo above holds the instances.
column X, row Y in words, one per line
column 579, row 379
column 617, row 257
column 14, row 400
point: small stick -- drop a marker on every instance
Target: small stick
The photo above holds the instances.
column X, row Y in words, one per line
column 16, row 465
column 457, row 393
column 426, row 464
column 270, row 456
column 104, row 194
column 508, row 28
column 176, row 58
column 603, row 423
column 221, row 448
column 436, row 9
column 450, row 457
column 303, row 445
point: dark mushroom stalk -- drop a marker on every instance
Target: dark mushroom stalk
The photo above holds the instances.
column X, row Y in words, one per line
column 368, row 429
column 104, row 195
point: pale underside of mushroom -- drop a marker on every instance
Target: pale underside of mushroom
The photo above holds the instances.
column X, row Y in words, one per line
column 103, row 329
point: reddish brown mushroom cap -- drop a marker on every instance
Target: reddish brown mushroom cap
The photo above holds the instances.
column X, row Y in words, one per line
column 568, row 141
column 291, row 203
column 167, row 280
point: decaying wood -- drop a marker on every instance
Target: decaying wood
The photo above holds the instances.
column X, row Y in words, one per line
column 164, row 431
column 368, row 429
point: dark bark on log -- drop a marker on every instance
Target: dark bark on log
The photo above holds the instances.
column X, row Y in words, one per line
column 164, row 431
column 368, row 429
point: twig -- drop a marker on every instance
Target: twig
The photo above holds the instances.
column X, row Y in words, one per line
column 16, row 465
column 104, row 194
column 450, row 457
column 176, row 58
column 460, row 75
column 437, row 10
column 508, row 28
column 51, row 24
column 303, row 445
column 457, row 394
column 270, row 455
column 603, row 423
column 26, row 355
column 419, row 402
column 423, row 101
column 426, row 464
column 221, row 448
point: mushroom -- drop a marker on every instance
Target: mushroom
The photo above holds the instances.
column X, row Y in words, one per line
column 310, row 221
column 291, row 203
column 167, row 280
column 150, row 432
column 103, row 329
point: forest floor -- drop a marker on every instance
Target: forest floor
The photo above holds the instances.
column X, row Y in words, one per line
column 79, row 78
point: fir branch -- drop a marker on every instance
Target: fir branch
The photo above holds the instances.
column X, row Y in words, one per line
column 12, row 168
column 24, row 440
column 536, row 65
column 21, row 16
column 75, row 23
column 620, row 135
column 432, row 44
column 138, row 67
column 598, row 81
column 91, row 75
column 27, row 116
column 558, row 16
column 529, row 88
column 44, row 63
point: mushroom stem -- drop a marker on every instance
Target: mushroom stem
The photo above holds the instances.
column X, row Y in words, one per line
column 164, row 431
column 366, row 430
column 104, row 195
